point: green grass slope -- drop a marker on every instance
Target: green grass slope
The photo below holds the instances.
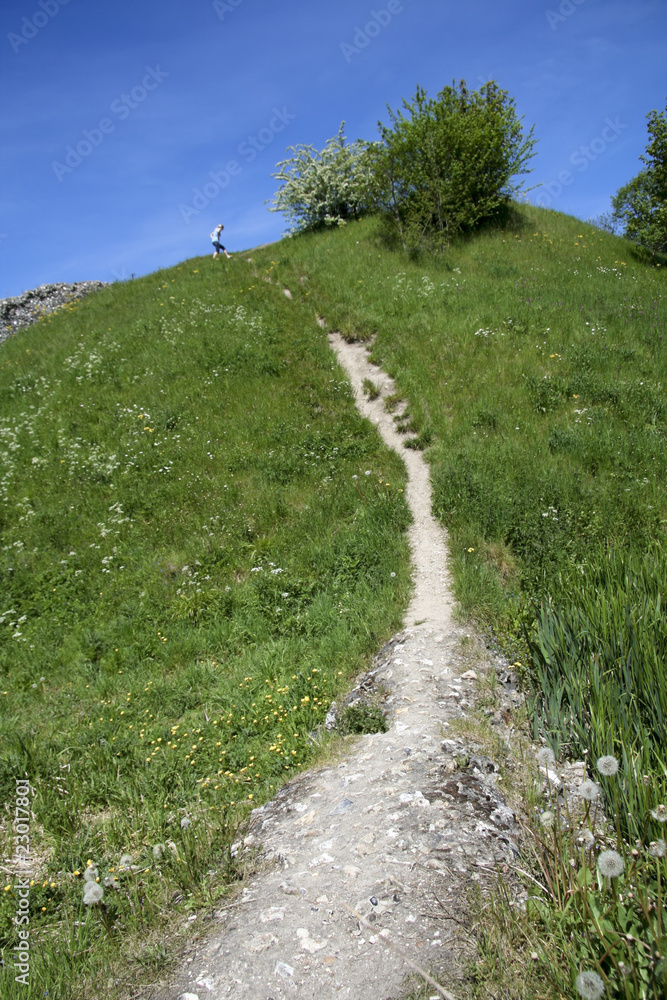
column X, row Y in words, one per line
column 200, row 541
column 534, row 362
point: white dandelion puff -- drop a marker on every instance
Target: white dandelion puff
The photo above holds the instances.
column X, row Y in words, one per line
column 125, row 861
column 586, row 839
column 610, row 864
column 90, row 874
column 659, row 814
column 589, row 790
column 607, row 766
column 657, row 848
column 546, row 757
column 547, row 820
column 158, row 850
column 92, row 893
column 185, row 823
column 590, row 986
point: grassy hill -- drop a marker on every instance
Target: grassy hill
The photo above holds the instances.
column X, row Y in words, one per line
column 190, row 571
column 534, row 363
column 200, row 541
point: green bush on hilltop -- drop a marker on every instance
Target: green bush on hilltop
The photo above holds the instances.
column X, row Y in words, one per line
column 448, row 163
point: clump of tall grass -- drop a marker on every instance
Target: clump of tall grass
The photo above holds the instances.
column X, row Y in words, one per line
column 598, row 674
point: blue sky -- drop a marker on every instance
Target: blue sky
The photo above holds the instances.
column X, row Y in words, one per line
column 171, row 92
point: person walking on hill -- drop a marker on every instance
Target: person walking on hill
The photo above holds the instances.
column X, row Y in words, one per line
column 217, row 245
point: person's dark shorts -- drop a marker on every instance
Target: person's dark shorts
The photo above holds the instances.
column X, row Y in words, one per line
column 218, row 246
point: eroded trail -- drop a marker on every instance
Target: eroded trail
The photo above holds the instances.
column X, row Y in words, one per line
column 362, row 859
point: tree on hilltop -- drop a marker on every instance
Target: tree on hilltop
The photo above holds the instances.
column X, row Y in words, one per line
column 640, row 206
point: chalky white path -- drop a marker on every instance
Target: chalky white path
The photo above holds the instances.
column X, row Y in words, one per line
column 377, row 832
column 432, row 600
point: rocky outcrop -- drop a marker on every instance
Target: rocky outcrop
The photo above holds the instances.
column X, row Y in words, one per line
column 24, row 310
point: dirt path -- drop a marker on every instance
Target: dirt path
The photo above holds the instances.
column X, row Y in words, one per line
column 361, row 860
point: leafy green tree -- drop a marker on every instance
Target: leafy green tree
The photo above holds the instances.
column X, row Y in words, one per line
column 445, row 164
column 641, row 205
column 324, row 187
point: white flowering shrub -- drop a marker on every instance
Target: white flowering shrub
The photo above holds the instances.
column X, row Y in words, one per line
column 324, row 187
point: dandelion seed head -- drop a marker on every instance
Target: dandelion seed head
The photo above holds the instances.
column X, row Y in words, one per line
column 657, row 848
column 547, row 820
column 90, row 874
column 125, row 861
column 607, row 766
column 590, row 986
column 185, row 823
column 589, row 790
column 659, row 814
column 546, row 757
column 92, row 893
column 610, row 864
column 586, row 839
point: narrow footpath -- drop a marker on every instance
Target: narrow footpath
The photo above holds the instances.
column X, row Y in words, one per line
column 364, row 863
